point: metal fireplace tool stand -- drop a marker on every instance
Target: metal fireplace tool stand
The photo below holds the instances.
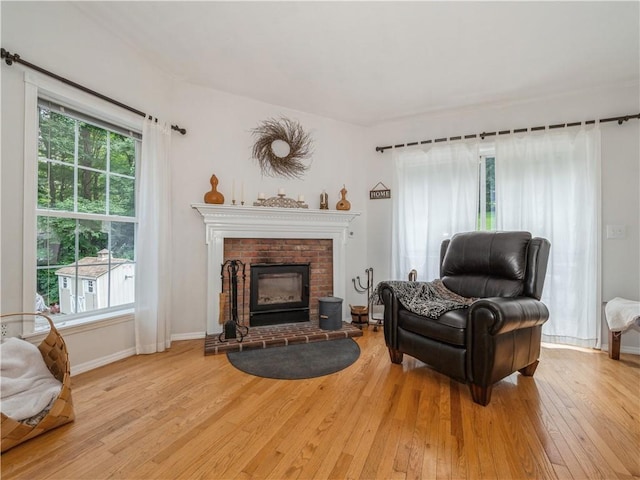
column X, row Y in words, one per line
column 232, row 327
column 368, row 289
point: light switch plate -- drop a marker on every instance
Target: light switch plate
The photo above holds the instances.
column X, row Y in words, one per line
column 616, row 231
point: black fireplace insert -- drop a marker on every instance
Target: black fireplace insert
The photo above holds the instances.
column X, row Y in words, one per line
column 279, row 293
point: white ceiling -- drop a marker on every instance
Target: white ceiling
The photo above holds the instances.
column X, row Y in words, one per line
column 368, row 62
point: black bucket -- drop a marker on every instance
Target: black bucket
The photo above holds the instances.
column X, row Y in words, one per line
column 330, row 311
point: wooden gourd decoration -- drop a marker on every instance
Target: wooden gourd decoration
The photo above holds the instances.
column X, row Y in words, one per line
column 343, row 204
column 214, row 196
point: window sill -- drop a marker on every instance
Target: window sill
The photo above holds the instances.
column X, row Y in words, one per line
column 85, row 324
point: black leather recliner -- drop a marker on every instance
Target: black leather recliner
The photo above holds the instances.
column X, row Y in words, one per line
column 498, row 333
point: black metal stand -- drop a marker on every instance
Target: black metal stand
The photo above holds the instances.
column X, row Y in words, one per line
column 368, row 289
column 232, row 327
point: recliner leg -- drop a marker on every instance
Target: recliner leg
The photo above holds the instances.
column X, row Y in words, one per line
column 396, row 355
column 529, row 370
column 480, row 395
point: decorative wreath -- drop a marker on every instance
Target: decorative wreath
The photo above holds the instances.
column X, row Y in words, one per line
column 286, row 130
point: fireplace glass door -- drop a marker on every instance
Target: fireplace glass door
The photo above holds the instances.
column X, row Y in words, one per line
column 279, row 293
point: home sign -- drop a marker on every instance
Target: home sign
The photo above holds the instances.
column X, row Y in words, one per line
column 379, row 192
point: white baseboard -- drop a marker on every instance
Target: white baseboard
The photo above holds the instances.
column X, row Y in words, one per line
column 102, row 361
column 623, row 349
column 188, row 336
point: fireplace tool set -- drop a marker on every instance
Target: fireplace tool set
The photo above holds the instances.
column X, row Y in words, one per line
column 232, row 327
column 366, row 311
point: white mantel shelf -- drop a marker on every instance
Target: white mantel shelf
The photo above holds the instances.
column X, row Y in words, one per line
column 233, row 221
column 267, row 215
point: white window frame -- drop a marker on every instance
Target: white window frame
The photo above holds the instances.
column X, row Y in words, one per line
column 39, row 86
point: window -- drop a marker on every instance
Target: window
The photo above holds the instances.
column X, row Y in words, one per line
column 487, row 193
column 85, row 212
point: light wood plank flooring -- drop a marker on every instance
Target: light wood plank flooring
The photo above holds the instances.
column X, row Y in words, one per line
column 182, row 414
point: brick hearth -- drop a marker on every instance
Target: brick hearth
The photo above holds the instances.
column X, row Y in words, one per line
column 279, row 336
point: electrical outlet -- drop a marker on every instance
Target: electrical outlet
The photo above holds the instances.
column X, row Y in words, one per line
column 616, row 231
column 4, row 330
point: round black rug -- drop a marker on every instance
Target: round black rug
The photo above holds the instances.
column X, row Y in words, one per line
column 294, row 362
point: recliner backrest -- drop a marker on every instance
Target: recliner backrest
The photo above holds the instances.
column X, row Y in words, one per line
column 494, row 264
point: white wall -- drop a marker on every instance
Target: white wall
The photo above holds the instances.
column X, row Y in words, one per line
column 620, row 172
column 219, row 141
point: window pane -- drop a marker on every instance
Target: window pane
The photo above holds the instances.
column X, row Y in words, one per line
column 55, row 186
column 122, row 289
column 56, row 262
column 123, row 240
column 56, row 137
column 92, row 147
column 47, row 296
column 122, row 286
column 48, row 243
column 487, row 194
column 56, row 240
column 123, row 155
column 92, row 191
column 122, row 196
column 490, row 193
column 93, row 237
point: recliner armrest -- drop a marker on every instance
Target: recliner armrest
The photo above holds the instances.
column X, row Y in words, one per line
column 507, row 313
column 391, row 307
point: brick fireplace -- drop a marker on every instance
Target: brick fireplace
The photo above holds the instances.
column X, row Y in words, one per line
column 231, row 232
column 317, row 252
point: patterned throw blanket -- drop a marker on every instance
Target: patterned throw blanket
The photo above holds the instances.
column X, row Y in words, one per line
column 429, row 299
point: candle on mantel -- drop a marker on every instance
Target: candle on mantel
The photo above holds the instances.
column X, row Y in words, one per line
column 242, row 192
column 261, row 196
column 281, row 191
column 301, row 198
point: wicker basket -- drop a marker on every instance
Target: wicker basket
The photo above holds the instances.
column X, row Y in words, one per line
column 55, row 355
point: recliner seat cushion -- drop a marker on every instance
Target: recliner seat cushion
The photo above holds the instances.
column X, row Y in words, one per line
column 449, row 327
column 486, row 264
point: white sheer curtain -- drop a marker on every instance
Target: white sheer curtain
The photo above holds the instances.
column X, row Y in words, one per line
column 549, row 184
column 435, row 196
column 153, row 241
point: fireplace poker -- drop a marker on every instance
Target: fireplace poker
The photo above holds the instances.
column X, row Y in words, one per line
column 232, row 327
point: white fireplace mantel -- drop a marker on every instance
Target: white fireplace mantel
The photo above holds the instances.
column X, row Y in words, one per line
column 226, row 221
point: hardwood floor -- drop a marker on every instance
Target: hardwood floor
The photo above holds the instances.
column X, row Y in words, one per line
column 182, row 414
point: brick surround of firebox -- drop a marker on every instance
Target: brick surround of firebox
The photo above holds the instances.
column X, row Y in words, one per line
column 317, row 252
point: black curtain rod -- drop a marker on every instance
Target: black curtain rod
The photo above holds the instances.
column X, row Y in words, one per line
column 620, row 120
column 10, row 58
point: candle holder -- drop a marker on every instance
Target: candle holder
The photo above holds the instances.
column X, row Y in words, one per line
column 280, row 201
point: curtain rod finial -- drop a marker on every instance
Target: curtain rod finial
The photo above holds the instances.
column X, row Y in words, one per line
column 8, row 57
column 177, row 128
